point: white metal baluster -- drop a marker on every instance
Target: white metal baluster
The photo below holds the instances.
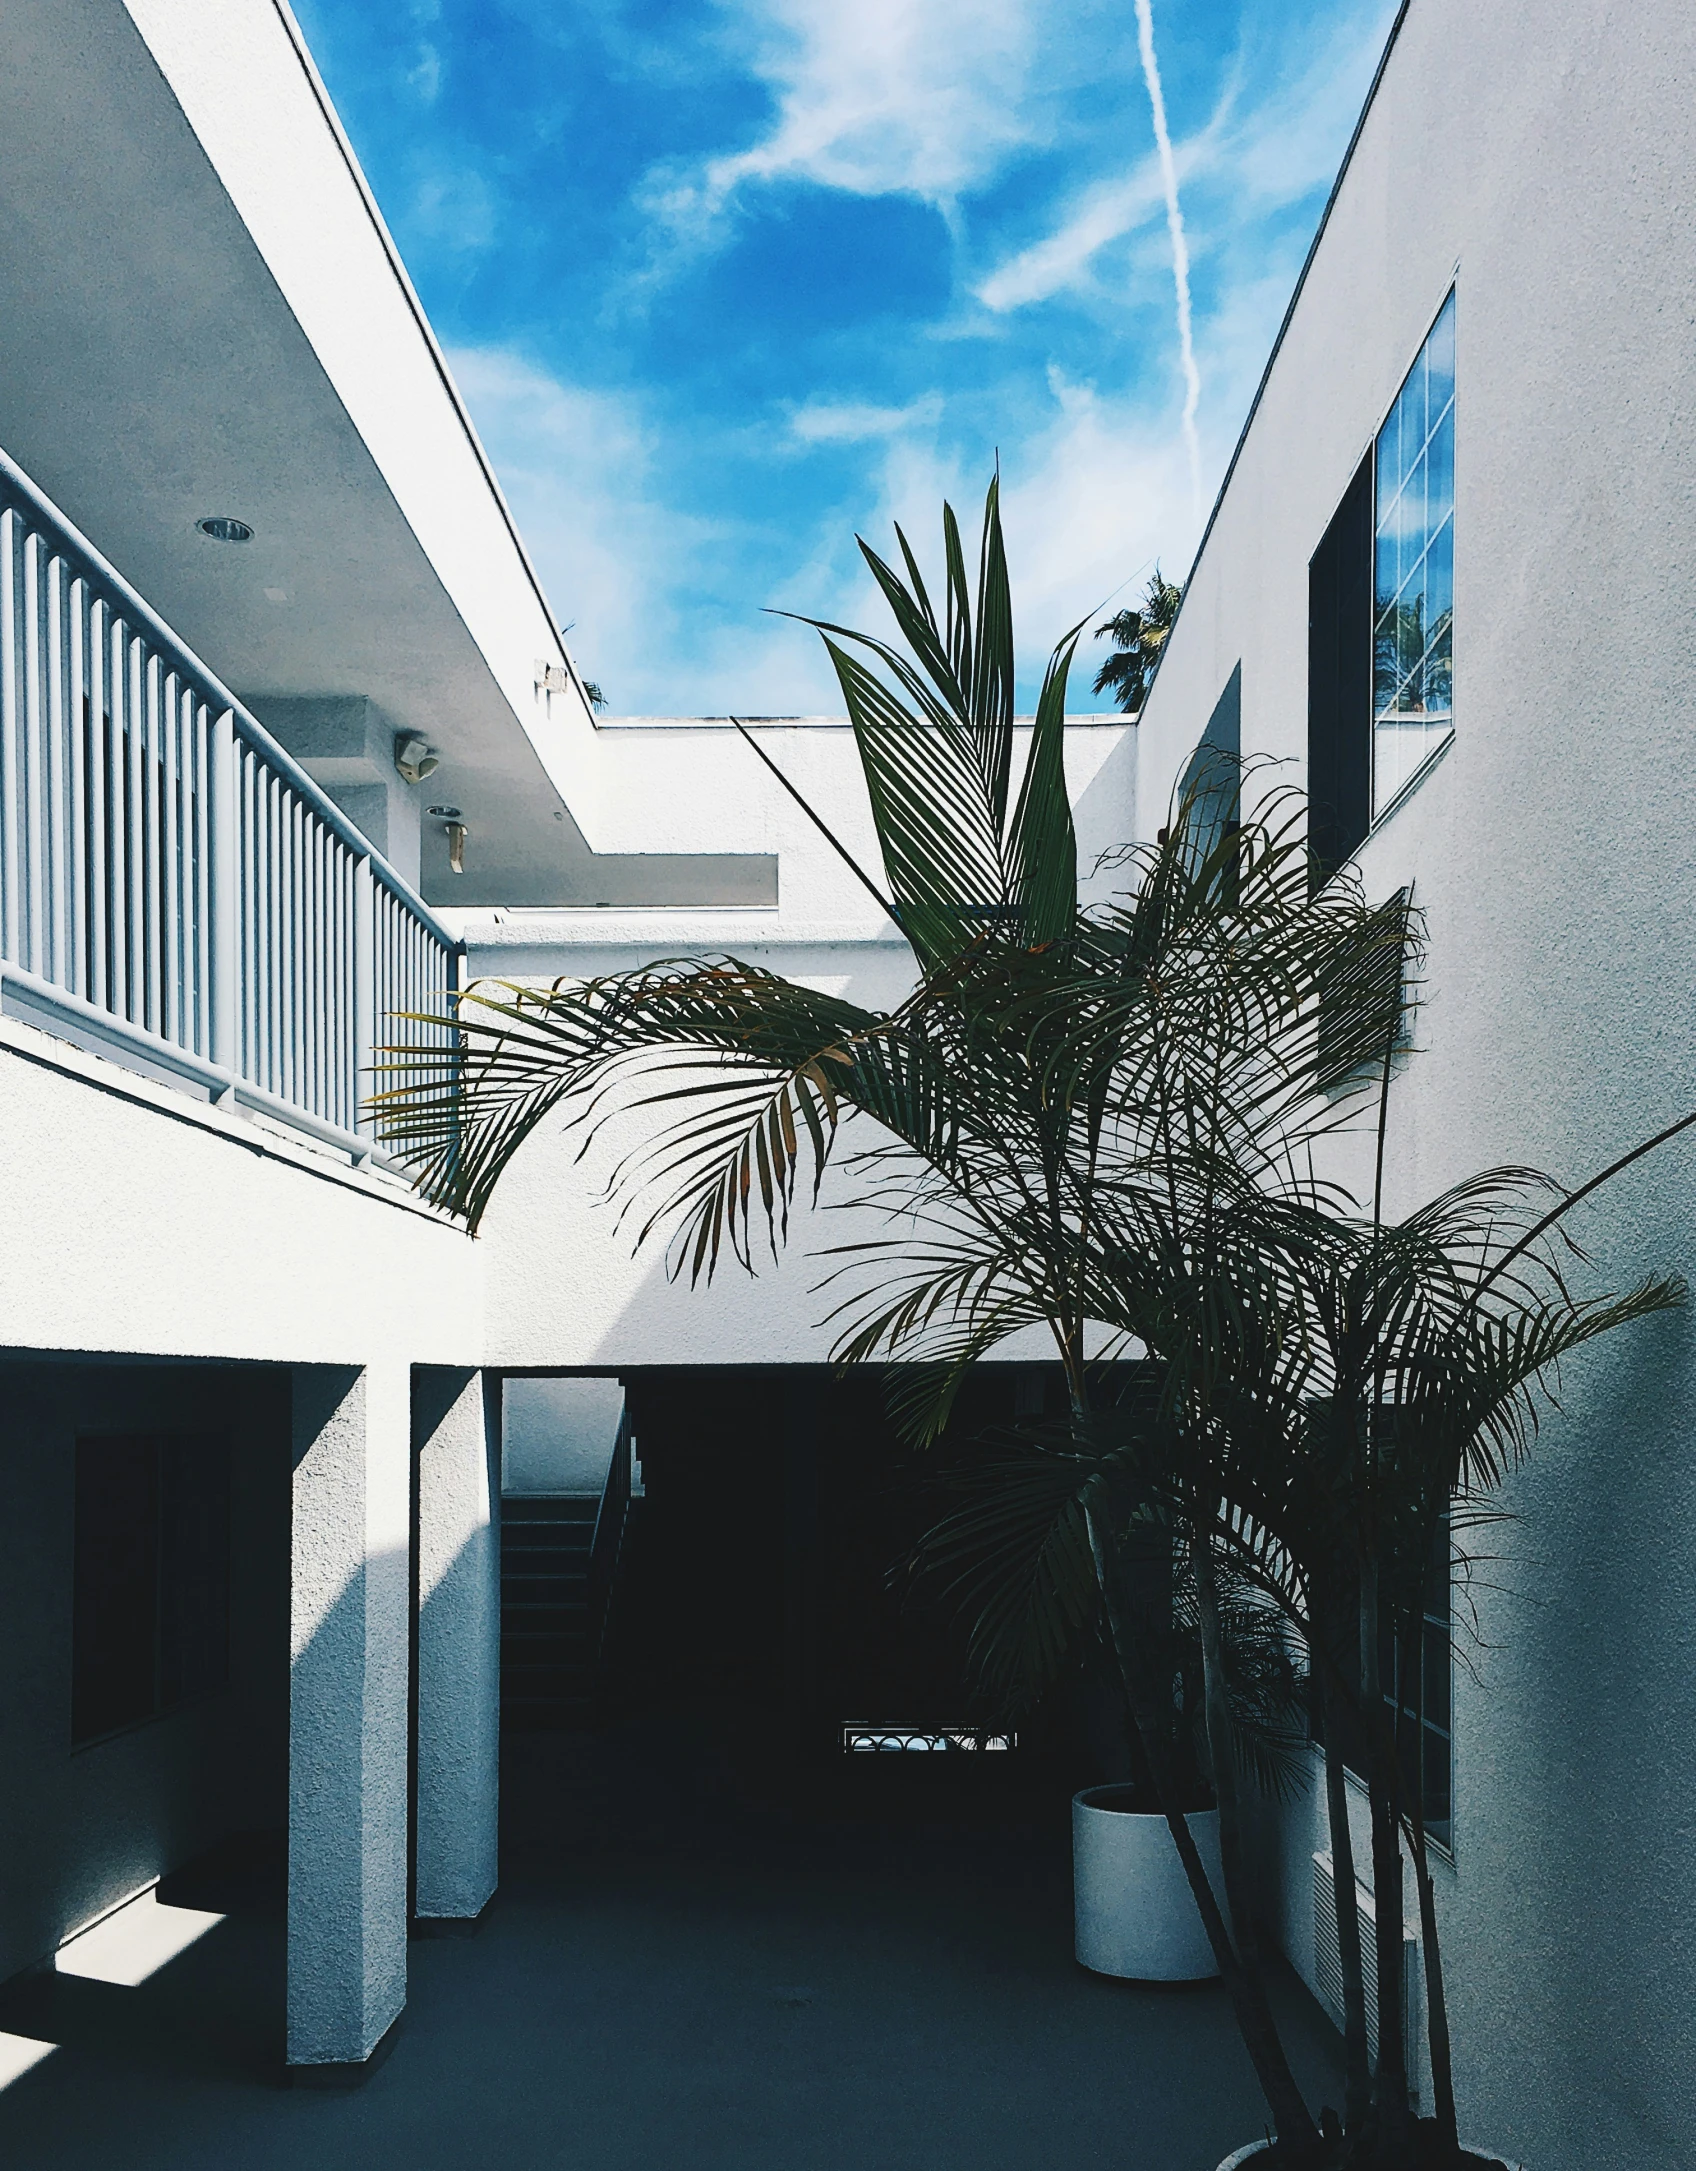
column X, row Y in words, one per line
column 11, row 827
column 340, row 991
column 76, row 728
column 364, row 990
column 170, row 844
column 318, row 997
column 153, row 894
column 252, row 915
column 270, row 802
column 57, row 963
column 264, row 918
column 118, row 826
column 32, row 947
column 226, row 898
column 202, row 881
column 341, row 1011
column 135, row 830
column 291, row 935
column 99, row 773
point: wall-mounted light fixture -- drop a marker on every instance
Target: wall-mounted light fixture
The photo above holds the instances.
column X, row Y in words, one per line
column 413, row 757
column 224, row 528
column 451, row 819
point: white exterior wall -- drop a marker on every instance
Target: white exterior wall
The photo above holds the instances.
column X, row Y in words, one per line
column 564, row 1287
column 1543, row 147
column 147, row 1222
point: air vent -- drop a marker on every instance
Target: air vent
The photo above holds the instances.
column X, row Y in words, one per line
column 1328, row 1967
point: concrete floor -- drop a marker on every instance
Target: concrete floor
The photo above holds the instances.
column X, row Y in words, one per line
column 681, row 1980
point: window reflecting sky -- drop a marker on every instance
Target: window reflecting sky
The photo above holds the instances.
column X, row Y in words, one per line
column 1414, row 569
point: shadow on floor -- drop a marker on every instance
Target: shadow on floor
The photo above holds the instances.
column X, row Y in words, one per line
column 874, row 1974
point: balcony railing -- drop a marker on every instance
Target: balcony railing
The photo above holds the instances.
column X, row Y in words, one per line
column 174, row 889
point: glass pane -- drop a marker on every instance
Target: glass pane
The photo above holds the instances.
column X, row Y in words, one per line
column 1440, row 461
column 1437, row 1670
column 1389, row 463
column 1412, row 405
column 1386, row 673
column 1410, row 522
column 1438, row 1788
column 1440, row 358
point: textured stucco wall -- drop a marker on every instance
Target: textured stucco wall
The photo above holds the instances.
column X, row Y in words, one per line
column 1544, row 148
column 81, row 1829
column 456, row 1436
column 348, row 1673
column 144, row 1221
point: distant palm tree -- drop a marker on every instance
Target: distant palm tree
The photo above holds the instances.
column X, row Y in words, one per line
column 1138, row 639
column 596, row 699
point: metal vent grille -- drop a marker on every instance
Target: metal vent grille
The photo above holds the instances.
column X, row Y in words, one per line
column 1328, row 1966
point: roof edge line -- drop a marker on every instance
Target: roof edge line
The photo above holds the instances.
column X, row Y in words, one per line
column 1283, row 328
column 350, row 158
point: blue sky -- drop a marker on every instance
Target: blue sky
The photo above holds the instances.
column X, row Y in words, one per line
column 725, row 281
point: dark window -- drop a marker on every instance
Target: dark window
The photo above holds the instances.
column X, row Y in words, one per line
column 151, row 1587
column 1339, row 681
column 1420, row 1695
column 1212, row 776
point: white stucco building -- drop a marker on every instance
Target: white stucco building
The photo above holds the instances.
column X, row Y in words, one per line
column 256, row 577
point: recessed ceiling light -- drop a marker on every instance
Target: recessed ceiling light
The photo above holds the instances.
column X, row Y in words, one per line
column 446, row 814
column 223, row 529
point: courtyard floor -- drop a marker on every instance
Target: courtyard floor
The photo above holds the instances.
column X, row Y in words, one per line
column 675, row 1978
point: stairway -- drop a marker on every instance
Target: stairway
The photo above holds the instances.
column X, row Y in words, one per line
column 547, row 1636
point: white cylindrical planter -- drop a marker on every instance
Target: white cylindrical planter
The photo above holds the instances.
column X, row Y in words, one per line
column 1242, row 2159
column 1136, row 1915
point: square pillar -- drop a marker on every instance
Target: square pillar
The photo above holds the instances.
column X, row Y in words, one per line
column 348, row 1691
column 456, row 1434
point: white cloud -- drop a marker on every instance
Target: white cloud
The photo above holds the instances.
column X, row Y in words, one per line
column 880, row 97
column 456, row 208
column 1061, row 258
column 1254, row 161
column 425, row 75
column 583, row 471
column 849, row 423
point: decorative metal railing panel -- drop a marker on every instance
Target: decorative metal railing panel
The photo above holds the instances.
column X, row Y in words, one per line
column 859, row 1736
column 173, row 885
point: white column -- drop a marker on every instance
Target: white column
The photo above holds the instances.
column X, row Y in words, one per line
column 349, row 1631
column 456, row 1428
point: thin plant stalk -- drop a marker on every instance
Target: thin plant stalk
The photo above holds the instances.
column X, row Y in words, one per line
column 1391, row 2120
column 1436, row 2000
column 1357, row 2061
column 1292, row 2121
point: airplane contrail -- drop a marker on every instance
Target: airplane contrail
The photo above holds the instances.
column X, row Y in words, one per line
column 1180, row 247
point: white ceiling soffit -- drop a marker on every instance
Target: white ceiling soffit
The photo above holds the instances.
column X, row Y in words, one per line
column 165, row 355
